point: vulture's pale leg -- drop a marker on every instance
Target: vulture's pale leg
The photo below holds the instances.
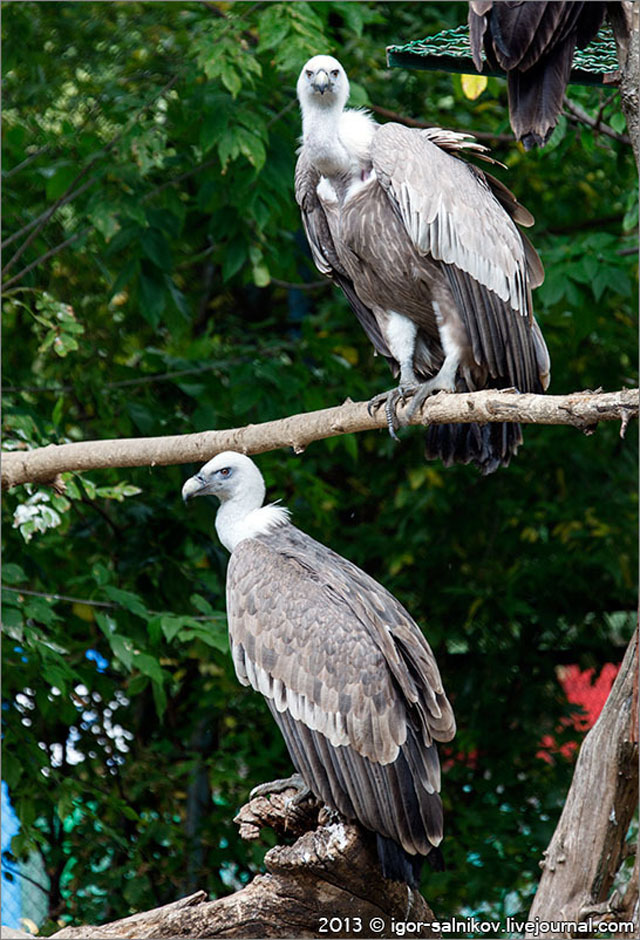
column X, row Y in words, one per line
column 294, row 782
column 452, row 337
column 400, row 334
column 444, row 381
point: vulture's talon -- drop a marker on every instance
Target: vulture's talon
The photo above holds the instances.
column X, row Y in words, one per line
column 374, row 404
column 424, row 391
column 294, row 782
column 391, row 426
column 391, row 400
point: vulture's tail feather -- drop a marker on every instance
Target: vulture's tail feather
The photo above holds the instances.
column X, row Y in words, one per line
column 536, row 96
column 488, row 446
column 398, row 865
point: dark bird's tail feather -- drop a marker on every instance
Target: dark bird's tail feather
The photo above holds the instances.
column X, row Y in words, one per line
column 398, row 865
column 488, row 446
column 536, row 96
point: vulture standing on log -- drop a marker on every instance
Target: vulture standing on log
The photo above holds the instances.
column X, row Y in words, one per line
column 533, row 43
column 348, row 676
column 426, row 249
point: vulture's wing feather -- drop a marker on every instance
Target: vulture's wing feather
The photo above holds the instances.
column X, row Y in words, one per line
column 521, row 32
column 329, row 644
column 452, row 213
column 314, row 220
column 349, row 678
column 456, row 143
column 477, row 28
column 590, row 22
column 499, row 338
column 324, row 253
column 367, row 321
column 388, row 798
column 506, row 198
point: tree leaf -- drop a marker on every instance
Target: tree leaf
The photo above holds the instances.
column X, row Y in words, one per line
column 473, row 85
column 153, row 298
column 126, row 599
column 155, row 247
column 12, row 573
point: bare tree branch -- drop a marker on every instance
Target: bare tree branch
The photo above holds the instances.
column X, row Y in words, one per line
column 45, row 215
column 414, row 122
column 301, row 285
column 580, row 410
column 583, row 117
column 48, row 254
column 124, row 383
column 586, row 850
column 26, row 162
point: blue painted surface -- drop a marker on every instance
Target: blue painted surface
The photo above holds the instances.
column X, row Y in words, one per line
column 11, row 890
column 25, row 895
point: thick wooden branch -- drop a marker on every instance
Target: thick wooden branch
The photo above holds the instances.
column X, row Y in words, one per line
column 588, row 845
column 329, row 877
column 580, row 410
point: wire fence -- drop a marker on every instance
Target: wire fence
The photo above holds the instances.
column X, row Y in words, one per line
column 25, row 886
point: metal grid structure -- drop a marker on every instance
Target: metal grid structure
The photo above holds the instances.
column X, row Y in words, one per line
column 450, row 51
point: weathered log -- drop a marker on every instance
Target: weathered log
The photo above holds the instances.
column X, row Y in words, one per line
column 588, row 845
column 581, row 410
column 328, row 882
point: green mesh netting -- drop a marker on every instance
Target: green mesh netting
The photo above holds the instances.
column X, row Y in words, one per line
column 450, row 51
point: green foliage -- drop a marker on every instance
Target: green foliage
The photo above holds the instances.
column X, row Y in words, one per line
column 166, row 133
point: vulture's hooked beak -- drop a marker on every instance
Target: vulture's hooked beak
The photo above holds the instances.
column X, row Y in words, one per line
column 194, row 486
column 321, row 81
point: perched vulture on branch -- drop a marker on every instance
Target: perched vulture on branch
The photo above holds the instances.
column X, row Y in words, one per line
column 533, row 43
column 426, row 249
column 348, row 676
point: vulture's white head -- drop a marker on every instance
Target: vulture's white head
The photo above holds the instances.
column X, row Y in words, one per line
column 323, row 83
column 239, row 485
column 228, row 476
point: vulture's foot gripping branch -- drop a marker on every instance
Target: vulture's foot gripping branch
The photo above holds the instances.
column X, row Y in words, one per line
column 391, row 400
column 294, row 782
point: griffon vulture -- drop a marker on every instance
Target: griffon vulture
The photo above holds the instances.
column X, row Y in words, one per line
column 426, row 249
column 347, row 674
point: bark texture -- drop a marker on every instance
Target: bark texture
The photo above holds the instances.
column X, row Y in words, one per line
column 331, row 871
column 625, row 22
column 588, row 845
column 580, row 410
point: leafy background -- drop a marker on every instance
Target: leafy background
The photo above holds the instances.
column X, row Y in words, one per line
column 157, row 282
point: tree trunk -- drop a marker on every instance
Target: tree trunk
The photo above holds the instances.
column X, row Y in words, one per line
column 625, row 22
column 588, row 845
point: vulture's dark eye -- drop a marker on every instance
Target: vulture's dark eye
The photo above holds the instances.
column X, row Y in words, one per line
column 309, row 73
column 335, row 72
column 225, row 471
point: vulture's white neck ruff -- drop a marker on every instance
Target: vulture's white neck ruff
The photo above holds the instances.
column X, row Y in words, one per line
column 239, row 518
column 337, row 140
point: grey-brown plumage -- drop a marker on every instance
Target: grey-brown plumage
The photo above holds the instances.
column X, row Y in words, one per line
column 428, row 252
column 533, row 42
column 348, row 676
